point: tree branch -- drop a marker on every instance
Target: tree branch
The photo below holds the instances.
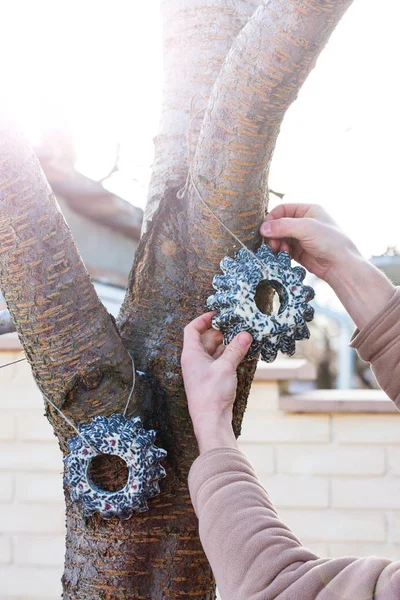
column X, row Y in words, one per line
column 262, row 74
column 198, row 34
column 6, row 323
column 261, row 77
column 69, row 338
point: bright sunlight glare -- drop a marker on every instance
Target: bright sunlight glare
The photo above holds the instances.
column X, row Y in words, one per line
column 96, row 67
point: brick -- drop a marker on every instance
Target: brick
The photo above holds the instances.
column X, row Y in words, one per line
column 7, row 426
column 297, row 491
column 6, row 487
column 5, row 550
column 394, row 460
column 39, row 550
column 335, row 526
column 286, row 428
column 33, row 426
column 393, row 519
column 9, row 373
column 20, row 394
column 367, row 429
column 264, row 397
column 32, row 518
column 338, row 549
column 36, row 457
column 39, row 487
column 329, row 459
column 261, row 456
column 374, row 492
column 31, row 582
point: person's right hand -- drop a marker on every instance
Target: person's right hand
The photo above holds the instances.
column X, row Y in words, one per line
column 310, row 235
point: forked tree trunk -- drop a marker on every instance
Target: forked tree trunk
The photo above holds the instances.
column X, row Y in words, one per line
column 76, row 352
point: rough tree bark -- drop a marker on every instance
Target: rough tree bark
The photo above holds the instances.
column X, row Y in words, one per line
column 77, row 354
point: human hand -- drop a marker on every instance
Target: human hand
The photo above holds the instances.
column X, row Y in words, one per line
column 311, row 237
column 209, row 374
column 314, row 240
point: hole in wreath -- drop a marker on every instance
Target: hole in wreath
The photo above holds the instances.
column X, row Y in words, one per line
column 271, row 294
column 108, row 472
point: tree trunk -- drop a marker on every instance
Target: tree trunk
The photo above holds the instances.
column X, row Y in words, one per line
column 75, row 351
column 198, row 35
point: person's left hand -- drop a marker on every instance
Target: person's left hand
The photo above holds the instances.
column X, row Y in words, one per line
column 209, row 373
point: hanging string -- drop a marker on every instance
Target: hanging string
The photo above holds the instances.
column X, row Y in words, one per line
column 190, row 180
column 12, row 363
column 72, row 425
column 133, row 385
column 64, row 416
column 67, row 420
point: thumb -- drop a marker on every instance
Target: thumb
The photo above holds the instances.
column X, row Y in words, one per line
column 235, row 352
column 298, row 229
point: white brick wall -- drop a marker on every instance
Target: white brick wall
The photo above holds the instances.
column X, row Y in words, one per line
column 30, row 582
column 32, row 518
column 334, row 525
column 32, row 512
column 394, row 460
column 374, row 492
column 363, row 549
column 39, row 550
column 297, row 490
column 7, row 426
column 6, row 486
column 261, row 456
column 366, row 429
column 335, row 479
column 330, row 459
column 32, row 427
column 394, row 527
column 5, row 550
column 259, row 427
column 17, row 456
column 38, row 487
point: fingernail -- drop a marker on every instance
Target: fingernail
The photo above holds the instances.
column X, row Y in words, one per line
column 266, row 228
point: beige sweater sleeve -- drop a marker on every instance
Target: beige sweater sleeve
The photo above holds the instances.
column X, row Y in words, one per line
column 254, row 556
column 379, row 344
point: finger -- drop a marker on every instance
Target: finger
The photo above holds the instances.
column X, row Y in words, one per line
column 198, row 326
column 285, row 246
column 236, row 351
column 274, row 245
column 290, row 210
column 211, row 339
column 300, row 229
column 193, row 332
column 296, row 250
column 297, row 210
column 219, row 351
column 276, row 213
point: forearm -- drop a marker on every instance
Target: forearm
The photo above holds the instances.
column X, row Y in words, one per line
column 373, row 302
column 362, row 288
column 214, row 431
column 254, row 556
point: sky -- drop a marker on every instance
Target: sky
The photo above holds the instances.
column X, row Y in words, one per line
column 98, row 67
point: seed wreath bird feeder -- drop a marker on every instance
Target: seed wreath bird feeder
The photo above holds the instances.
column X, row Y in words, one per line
column 237, row 310
column 127, row 439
